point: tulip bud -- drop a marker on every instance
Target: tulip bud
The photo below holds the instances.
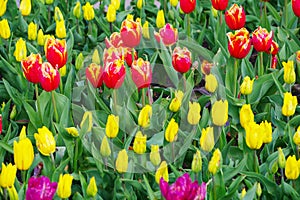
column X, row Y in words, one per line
column 4, row 29
column 193, row 116
column 40, row 38
column 13, row 112
column 77, row 10
column 207, row 141
column 176, row 101
column 139, row 144
column 31, row 67
column 174, row 3
column 188, row 6
column 88, row 11
column 116, row 4
column 56, row 52
column 58, row 16
column 220, row 112
column 112, row 126
column 21, row 50
column 63, row 71
column 95, row 57
column 122, row 161
column 239, row 43
column 12, row 193
column 45, row 141
column 91, row 189
column 291, row 168
column 171, row 131
column 289, row 104
column 105, row 148
column 235, row 17
column 167, row 34
column 246, row 115
column 254, row 137
column 131, row 32
column 206, row 67
column 114, row 74
column 49, row 77
column 219, row 4
column 145, row 116
column 79, row 61
column 154, row 155
column 181, row 59
column 296, row 137
column 72, row 131
column 3, row 7
column 215, row 162
column 8, row 175
column 94, row 74
column 262, row 39
column 296, row 7
column 139, row 4
column 141, row 73
column 289, row 74
column 281, row 158
column 160, row 19
column 162, row 172
column 25, row 7
column 60, row 30
column 266, row 129
column 32, row 31
column 64, row 189
column 197, row 162
column 258, row 190
column 87, row 119
column 48, row 2
column 111, row 13
column 243, row 193
column 247, row 86
column 145, row 30
column 274, row 168
column 214, row 12
column 211, row 83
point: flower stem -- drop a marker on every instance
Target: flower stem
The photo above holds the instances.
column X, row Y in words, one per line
column 23, row 174
column 255, row 161
column 220, row 18
column 37, row 101
column 143, row 96
column 235, row 76
column 52, row 159
column 261, row 65
column 76, row 155
column 54, row 106
column 115, row 100
column 188, row 26
column 111, row 27
column 286, row 13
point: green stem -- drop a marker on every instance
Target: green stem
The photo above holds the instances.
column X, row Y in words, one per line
column 143, row 96
column 115, row 101
column 23, row 175
column 52, row 159
column 220, row 18
column 37, row 101
column 297, row 152
column 261, row 65
column 111, row 27
column 76, row 155
column 235, row 74
column 188, row 26
column 173, row 153
column 255, row 161
column 49, row 13
column 54, row 106
column 184, row 82
column 286, row 13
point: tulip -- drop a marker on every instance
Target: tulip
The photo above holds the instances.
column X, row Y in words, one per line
column 63, row 71
column 162, row 172
column 4, row 29
column 235, row 17
column 77, row 10
column 58, row 16
column 262, row 39
column 207, row 141
column 87, row 118
column 258, row 190
column 171, row 131
column 31, row 67
column 114, row 74
column 214, row 12
column 197, row 162
column 25, row 7
column 274, row 48
column 220, row 112
column 239, row 43
column 60, row 29
column 145, row 116
column 79, row 61
column 243, row 193
column 188, row 6
column 111, row 13
column 23, row 151
column 72, row 131
column 160, row 19
column 45, row 141
column 141, row 73
column 8, row 175
column 20, row 51
column 139, row 4
column 64, row 186
column 266, row 130
column 289, row 75
column 12, row 193
column 122, row 161
column 296, row 7
column 116, row 3
column 181, row 59
column 145, row 30
column 112, row 126
column 289, row 104
column 49, row 77
column 154, row 155
column 206, row 67
column 88, row 11
column 131, row 32
column 48, row 2
column 111, row 55
column 246, row 115
column 274, row 62
column 115, row 40
column 193, row 116
column 174, row 3
column 40, row 38
column 296, row 137
column 281, row 158
column 95, row 57
column 40, row 188
column 176, row 101
column 247, row 86
column 94, row 74
column 3, row 7
column 219, row 4
column 215, row 162
column 92, row 189
column 167, row 34
column 254, row 136
column 291, row 168
column 139, row 144
column 32, row 31
column 56, row 52
column 105, row 148
column 211, row 83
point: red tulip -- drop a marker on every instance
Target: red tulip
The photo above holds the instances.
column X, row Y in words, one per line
column 219, row 4
column 181, row 59
column 131, row 32
column 128, row 56
column 168, row 34
column 274, row 61
column 114, row 40
column 94, row 74
column 141, row 73
column 262, row 39
column 296, row 7
column 274, row 48
column 235, row 17
column 31, row 67
column 187, row 6
column 239, row 43
column 111, row 54
column 56, row 52
column 114, row 74
column 49, row 77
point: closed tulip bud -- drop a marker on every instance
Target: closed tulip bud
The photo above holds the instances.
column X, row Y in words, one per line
column 114, row 74
column 64, row 189
column 40, row 38
column 105, row 148
column 25, row 7
column 206, row 67
column 21, row 50
column 116, row 4
column 247, row 86
column 291, row 168
column 197, row 162
column 122, row 161
column 162, row 172
column 4, row 29
column 174, row 3
column 111, row 13
column 139, row 4
column 45, row 141
column 87, row 119
column 8, row 175
column 88, row 11
column 77, row 10
column 141, row 73
column 171, row 131
column 214, row 12
column 207, row 141
column 220, row 112
column 188, row 6
column 63, row 71
column 266, row 129
column 211, row 83
column 181, row 59
column 32, row 31
column 56, row 52
column 219, row 4
column 58, row 16
column 167, row 34
column 12, row 193
column 145, row 116
column 258, row 190
column 296, row 137
column 274, row 168
column 60, row 29
column 239, row 43
column 193, row 116
column 72, row 131
column 296, row 7
column 112, row 126
column 246, row 115
column 154, row 155
column 49, row 77
column 13, row 112
column 48, row 2
column 289, row 75
column 281, row 158
column 215, row 162
column 243, row 193
column 235, row 17
column 95, row 57
column 139, row 144
column 3, row 7
column 274, row 48
column 94, row 74
column 254, row 136
column 176, row 101
column 145, row 30
column 289, row 104
column 31, row 67
column 23, row 151
column 131, row 33
column 160, row 19
column 92, row 189
column 79, row 61
column 262, row 39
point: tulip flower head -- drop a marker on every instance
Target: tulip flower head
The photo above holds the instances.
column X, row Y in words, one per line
column 64, row 186
column 176, row 101
column 77, row 10
column 141, row 73
column 289, row 104
column 162, row 172
column 145, row 116
column 174, row 3
column 105, row 150
column 95, row 57
column 291, row 168
column 281, row 158
column 167, row 34
column 235, row 17
column 111, row 13
column 58, row 16
column 112, row 126
column 154, row 155
column 114, row 74
column 289, row 75
column 4, row 29
column 296, row 7
column 220, row 112
column 122, row 161
column 88, row 11
column 247, row 86
column 116, row 3
column 262, row 39
column 139, row 4
column 45, row 141
column 181, row 59
column 207, row 141
column 131, row 32
column 254, row 136
column 211, row 83
column 139, row 144
column 246, row 115
column 239, row 43
column 296, row 137
column 197, row 162
column 215, row 162
column 266, row 130
column 92, row 189
column 72, row 131
column 274, row 48
column 171, row 131
column 60, row 29
column 56, row 52
column 219, row 4
column 206, row 67
column 160, row 19
column 188, row 6
column 94, row 74
column 25, row 7
column 40, row 188
column 21, row 50
column 8, row 175
column 31, row 67
column 32, row 31
column 3, row 4
column 49, row 77
column 145, row 30
column 114, row 40
column 193, row 116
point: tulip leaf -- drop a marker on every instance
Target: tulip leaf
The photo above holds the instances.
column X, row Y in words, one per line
column 260, row 88
column 234, row 186
column 290, row 191
column 149, row 189
column 197, row 50
column 59, row 170
column 273, row 11
column 34, row 119
column 230, row 172
column 251, row 193
column 7, row 147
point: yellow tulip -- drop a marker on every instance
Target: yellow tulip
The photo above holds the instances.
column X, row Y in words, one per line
column 247, row 86
column 105, row 148
column 176, row 101
column 281, row 158
column 23, row 151
column 88, row 115
column 32, row 31
column 58, row 16
column 144, row 116
column 45, row 141
column 40, row 38
column 145, row 30
column 72, row 131
column 243, row 193
column 112, row 126
column 296, row 137
column 254, row 136
column 207, row 141
column 8, row 175
column 111, row 13
column 211, row 83
column 258, row 190
column 77, row 10
column 63, row 71
column 171, row 131
column 122, row 161
column 92, row 188
column 130, row 17
column 197, row 162
column 214, row 12
column 160, row 19
column 12, row 193
column 95, row 57
column 116, row 4
column 4, row 29
column 25, row 7
column 220, row 112
column 215, row 162
column 154, row 155
column 289, row 104
column 139, row 144
column 193, row 116
column 266, row 130
column 174, row 3
column 20, row 51
column 291, row 168
column 60, row 29
column 162, row 172
column 3, row 7
column 88, row 11
column 48, row 2
column 289, row 75
column 139, row 4
column 246, row 115
column 64, row 189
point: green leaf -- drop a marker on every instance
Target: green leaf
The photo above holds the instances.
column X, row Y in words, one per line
column 34, row 119
column 149, row 189
column 59, row 170
column 197, row 49
column 6, row 147
column 251, row 193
